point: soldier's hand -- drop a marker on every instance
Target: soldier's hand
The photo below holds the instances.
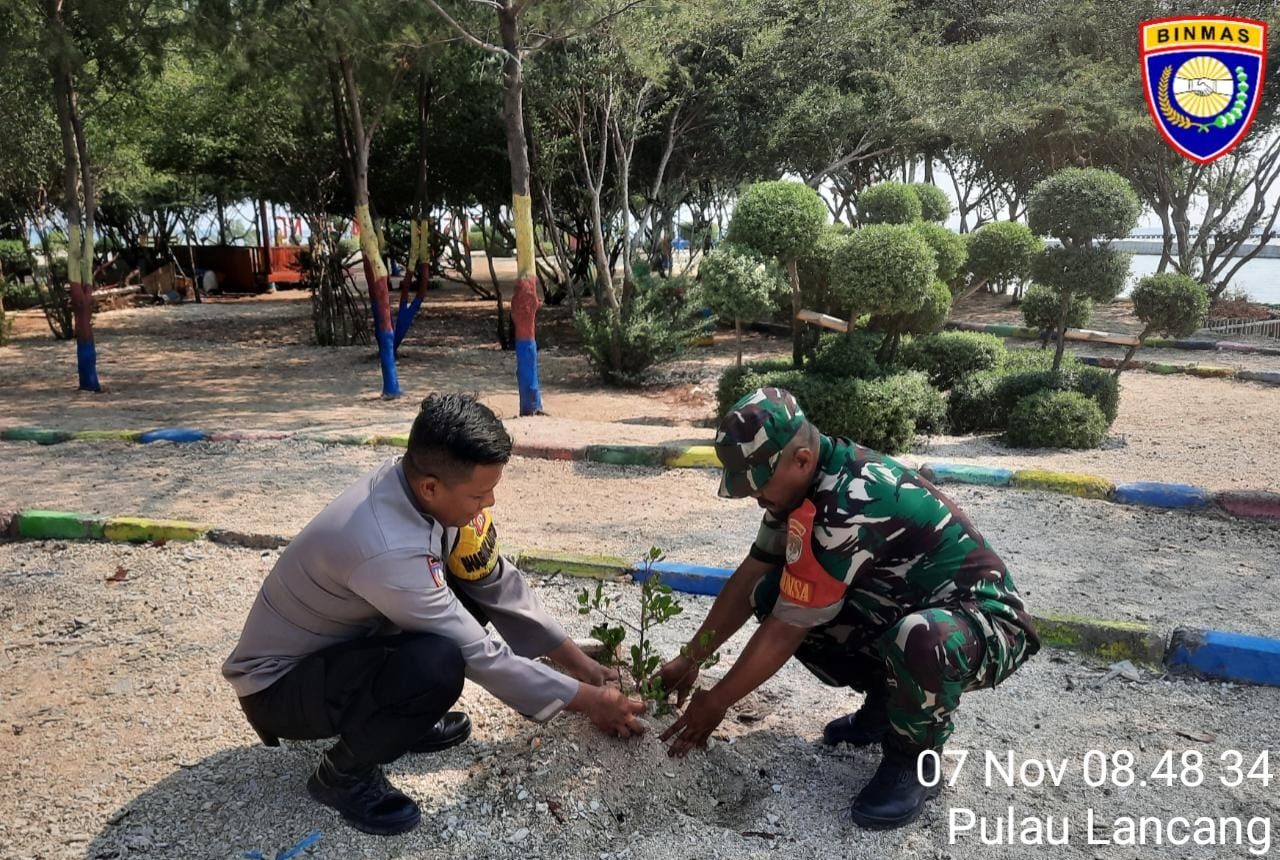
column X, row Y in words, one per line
column 678, row 676
column 612, row 712
column 695, row 725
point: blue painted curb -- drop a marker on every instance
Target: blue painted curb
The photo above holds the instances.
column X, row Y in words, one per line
column 960, row 473
column 1271, row 376
column 1195, row 343
column 1225, row 656
column 174, row 434
column 689, row 578
column 1157, row 495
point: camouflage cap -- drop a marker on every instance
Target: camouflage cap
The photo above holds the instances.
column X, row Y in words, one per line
column 751, row 438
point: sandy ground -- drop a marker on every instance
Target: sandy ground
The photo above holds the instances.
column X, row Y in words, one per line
column 1069, row 555
column 247, row 364
column 124, row 742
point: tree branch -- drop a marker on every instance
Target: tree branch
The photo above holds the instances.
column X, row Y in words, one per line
column 468, row 37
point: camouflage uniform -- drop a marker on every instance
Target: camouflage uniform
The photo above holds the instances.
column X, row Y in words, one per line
column 896, row 585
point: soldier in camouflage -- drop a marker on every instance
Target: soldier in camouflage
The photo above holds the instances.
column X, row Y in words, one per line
column 873, row 579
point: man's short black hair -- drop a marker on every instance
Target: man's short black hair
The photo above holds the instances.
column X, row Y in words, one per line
column 453, row 434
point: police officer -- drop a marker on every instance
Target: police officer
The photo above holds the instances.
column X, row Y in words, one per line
column 367, row 625
column 873, row 579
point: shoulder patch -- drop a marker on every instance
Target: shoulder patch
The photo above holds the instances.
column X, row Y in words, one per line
column 476, row 553
column 805, row 581
column 437, row 570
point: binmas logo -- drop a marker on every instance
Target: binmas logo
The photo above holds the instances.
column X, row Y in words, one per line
column 1203, row 80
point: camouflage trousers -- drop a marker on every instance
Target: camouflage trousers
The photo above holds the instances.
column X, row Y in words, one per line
column 921, row 664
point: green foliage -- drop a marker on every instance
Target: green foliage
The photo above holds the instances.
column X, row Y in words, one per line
column 737, row 284
column 815, row 268
column 733, row 381
column 13, row 257
column 1001, row 252
column 1041, row 307
column 6, row 325
column 622, row 346
column 778, row 219
column 948, row 247
column 1083, row 204
column 850, row 356
column 1171, row 305
column 1034, row 358
column 19, row 297
column 935, row 206
column 949, row 356
column 658, row 605
column 1056, row 419
column 970, row 407
column 882, row 269
column 884, row 413
column 927, row 318
column 1096, row 272
column 889, row 203
column 1093, row 382
column 983, row 400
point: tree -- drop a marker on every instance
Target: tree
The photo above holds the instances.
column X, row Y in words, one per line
column 885, row 270
column 739, row 285
column 934, row 204
column 1000, row 254
column 1168, row 304
column 783, row 220
column 1084, row 209
column 889, row 203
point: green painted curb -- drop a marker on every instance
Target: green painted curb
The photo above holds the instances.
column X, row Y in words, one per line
column 570, row 564
column 143, row 530
column 400, row 440
column 58, row 525
column 1210, row 371
column 107, row 435
column 626, row 455
column 338, row 439
column 1111, row 640
column 1071, row 483
column 36, row 434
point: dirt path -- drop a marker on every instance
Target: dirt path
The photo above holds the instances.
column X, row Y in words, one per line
column 124, row 742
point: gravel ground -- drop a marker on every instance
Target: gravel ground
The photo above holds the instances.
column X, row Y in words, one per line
column 125, row 743
column 1068, row 555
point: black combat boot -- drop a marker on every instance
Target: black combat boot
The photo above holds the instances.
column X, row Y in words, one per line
column 895, row 796
column 452, row 729
column 865, row 726
column 363, row 796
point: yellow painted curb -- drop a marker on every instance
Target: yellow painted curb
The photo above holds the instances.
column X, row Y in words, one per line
column 694, row 457
column 1071, row 483
column 142, row 529
column 1210, row 371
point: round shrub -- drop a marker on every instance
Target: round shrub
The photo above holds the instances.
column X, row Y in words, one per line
column 851, row 356
column 1056, row 419
column 1080, row 204
column 1041, row 305
column 19, row 296
column 971, row 406
column 814, row 269
column 737, row 382
column 889, row 203
column 1098, row 273
column 882, row 269
column 1001, row 252
column 929, row 317
column 1098, row 385
column 948, row 247
column 1171, row 305
column 778, row 219
column 935, row 205
column 947, row 357
column 1034, row 358
column 736, row 284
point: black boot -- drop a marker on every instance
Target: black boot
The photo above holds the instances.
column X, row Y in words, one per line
column 865, row 726
column 452, row 729
column 894, row 796
column 363, row 797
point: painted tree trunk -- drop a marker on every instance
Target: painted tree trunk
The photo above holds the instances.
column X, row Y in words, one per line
column 417, row 278
column 76, row 178
column 525, row 302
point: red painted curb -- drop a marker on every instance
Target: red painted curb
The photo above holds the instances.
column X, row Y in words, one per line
column 549, row 452
column 1245, row 503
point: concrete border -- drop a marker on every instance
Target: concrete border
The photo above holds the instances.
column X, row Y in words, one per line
column 1208, row 654
column 1242, row 504
column 1191, row 343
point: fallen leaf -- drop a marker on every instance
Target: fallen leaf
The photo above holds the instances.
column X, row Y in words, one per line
column 159, row 541
column 553, row 806
column 121, row 574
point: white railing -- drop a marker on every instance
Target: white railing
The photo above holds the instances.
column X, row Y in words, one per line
column 1258, row 328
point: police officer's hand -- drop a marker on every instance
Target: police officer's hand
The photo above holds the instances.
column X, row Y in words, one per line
column 677, row 676
column 610, row 711
column 695, row 725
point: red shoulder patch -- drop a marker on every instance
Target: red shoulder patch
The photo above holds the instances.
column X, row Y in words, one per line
column 805, row 581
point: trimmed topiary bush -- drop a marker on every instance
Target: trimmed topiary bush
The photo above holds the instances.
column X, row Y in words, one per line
column 1034, row 358
column 935, row 205
column 889, row 203
column 851, row 356
column 1000, row 254
column 1095, row 383
column 1170, row 305
column 1099, row 386
column 1041, row 308
column 882, row 269
column 949, row 356
column 1056, row 419
column 1096, row 273
column 971, row 405
column 948, row 249
column 815, row 270
column 737, row 382
column 739, row 285
column 927, row 318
